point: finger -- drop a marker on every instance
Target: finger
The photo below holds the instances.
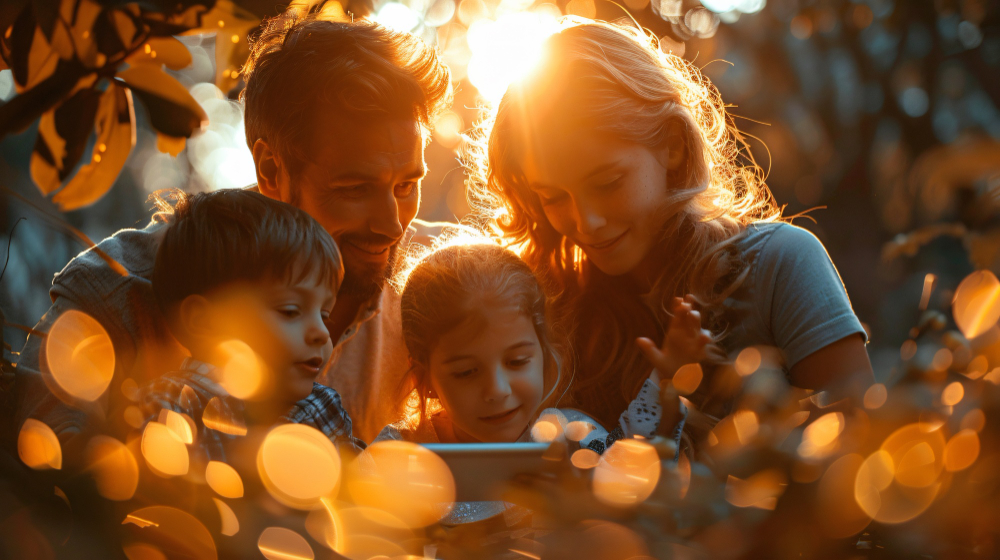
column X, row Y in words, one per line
column 689, row 298
column 693, row 320
column 653, row 354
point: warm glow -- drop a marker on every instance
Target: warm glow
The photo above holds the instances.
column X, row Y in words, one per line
column 243, row 373
column 278, row 543
column 188, row 538
column 747, row 361
column 230, row 525
column 760, row 490
column 219, row 417
column 165, row 453
column 627, row 473
column 953, row 394
column 835, row 503
column 976, row 306
column 585, row 458
column 38, row 447
column 962, row 450
column 180, row 424
column 324, row 525
column 688, row 378
column 80, row 356
column 224, row 480
column 973, row 420
column 576, row 431
column 298, row 465
column 875, row 396
column 544, row 431
column 506, row 49
column 114, row 468
column 746, row 424
column 404, row 479
column 818, row 437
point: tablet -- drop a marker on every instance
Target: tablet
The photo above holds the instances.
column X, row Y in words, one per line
column 482, row 470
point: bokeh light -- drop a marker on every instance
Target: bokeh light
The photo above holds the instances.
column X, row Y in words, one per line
column 627, row 473
column 976, row 306
column 80, row 355
column 688, row 378
column 38, row 447
column 114, row 468
column 961, row 451
column 298, row 465
column 404, row 479
column 224, row 480
column 761, row 490
column 171, row 529
column 164, row 451
column 279, row 543
column 243, row 373
column 229, row 523
column 747, row 361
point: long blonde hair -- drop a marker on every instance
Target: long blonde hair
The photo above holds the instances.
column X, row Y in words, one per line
column 614, row 79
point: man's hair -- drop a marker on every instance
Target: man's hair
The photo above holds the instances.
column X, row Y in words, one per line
column 301, row 62
column 229, row 236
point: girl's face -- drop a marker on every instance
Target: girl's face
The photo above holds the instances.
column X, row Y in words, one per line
column 604, row 194
column 488, row 374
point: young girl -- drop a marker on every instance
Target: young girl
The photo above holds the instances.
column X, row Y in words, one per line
column 483, row 350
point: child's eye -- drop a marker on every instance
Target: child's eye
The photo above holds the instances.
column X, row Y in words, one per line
column 520, row 362
column 290, row 312
column 464, row 373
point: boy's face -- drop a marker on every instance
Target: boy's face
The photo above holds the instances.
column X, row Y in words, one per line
column 489, row 374
column 283, row 322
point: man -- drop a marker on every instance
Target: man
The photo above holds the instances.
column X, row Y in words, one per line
column 337, row 116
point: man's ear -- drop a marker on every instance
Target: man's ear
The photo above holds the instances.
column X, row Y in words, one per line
column 674, row 151
column 269, row 170
column 195, row 318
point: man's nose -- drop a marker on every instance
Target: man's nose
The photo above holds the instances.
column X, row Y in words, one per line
column 384, row 218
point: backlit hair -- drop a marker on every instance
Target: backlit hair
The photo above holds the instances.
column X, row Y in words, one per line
column 303, row 62
column 450, row 284
column 614, row 79
column 230, row 236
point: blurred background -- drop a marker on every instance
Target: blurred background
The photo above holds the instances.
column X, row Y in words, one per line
column 879, row 116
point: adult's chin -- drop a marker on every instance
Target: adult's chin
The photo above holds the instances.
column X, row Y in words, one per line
column 365, row 278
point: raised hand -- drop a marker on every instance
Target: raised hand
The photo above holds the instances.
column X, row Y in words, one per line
column 684, row 343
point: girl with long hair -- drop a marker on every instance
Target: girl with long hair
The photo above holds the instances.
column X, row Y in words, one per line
column 616, row 171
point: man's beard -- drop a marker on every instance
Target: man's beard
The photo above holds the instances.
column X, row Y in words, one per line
column 364, row 280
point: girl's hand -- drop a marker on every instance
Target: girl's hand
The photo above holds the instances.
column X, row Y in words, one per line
column 684, row 343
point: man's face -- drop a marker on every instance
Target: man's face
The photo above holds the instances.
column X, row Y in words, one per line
column 361, row 182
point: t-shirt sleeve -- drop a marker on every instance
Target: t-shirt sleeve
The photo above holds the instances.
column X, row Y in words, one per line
column 804, row 300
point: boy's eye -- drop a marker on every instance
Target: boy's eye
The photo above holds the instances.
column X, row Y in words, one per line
column 290, row 312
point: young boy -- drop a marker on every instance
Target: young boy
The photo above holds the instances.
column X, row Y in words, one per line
column 246, row 284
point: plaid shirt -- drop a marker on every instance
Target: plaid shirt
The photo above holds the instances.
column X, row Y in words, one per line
column 219, row 417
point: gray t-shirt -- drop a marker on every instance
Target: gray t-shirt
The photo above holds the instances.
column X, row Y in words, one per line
column 793, row 297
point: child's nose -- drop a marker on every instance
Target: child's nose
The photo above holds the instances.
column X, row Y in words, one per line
column 499, row 386
column 316, row 334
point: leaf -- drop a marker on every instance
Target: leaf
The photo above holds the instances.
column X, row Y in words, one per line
column 46, row 14
column 170, row 144
column 19, row 44
column 62, row 136
column 84, row 40
column 115, row 128
column 9, row 12
column 172, row 110
column 162, row 50
column 24, row 109
column 113, row 32
column 227, row 21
